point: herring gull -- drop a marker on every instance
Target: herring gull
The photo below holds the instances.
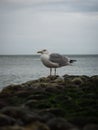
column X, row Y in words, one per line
column 54, row 60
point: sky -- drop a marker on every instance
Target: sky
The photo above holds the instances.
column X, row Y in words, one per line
column 63, row 26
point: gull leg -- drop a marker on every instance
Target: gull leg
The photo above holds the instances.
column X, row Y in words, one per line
column 54, row 71
column 50, row 71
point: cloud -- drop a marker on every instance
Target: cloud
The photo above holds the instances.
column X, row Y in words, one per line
column 57, row 31
column 38, row 24
column 56, row 5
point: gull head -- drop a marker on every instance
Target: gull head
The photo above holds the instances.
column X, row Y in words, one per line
column 43, row 52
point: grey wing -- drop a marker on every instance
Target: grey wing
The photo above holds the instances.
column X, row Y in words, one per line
column 60, row 59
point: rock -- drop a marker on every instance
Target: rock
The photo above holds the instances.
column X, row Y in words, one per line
column 71, row 99
column 31, row 103
column 37, row 126
column 22, row 115
column 91, row 127
column 6, row 120
column 82, row 121
column 94, row 79
column 45, row 116
column 3, row 104
column 59, row 80
column 54, row 111
column 60, row 124
column 30, row 118
column 53, row 77
column 53, row 89
column 36, row 104
column 77, row 81
column 13, row 111
column 23, row 93
column 11, row 89
column 13, row 128
column 36, row 97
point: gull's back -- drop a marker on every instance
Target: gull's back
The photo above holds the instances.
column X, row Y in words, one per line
column 59, row 59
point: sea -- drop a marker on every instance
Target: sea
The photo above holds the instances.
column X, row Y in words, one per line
column 17, row 69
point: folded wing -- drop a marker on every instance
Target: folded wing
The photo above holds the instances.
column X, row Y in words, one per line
column 60, row 59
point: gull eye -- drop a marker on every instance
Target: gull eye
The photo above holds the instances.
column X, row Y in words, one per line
column 44, row 50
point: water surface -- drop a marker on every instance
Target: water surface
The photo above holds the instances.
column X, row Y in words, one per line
column 18, row 69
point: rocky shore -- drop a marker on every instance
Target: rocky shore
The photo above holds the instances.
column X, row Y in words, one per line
column 51, row 103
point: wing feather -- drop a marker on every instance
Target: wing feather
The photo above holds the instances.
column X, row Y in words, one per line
column 60, row 59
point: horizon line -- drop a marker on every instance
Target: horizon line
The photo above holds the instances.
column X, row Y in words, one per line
column 39, row 55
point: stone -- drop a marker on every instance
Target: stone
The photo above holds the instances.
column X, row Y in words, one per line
column 91, row 127
column 37, row 126
column 59, row 124
column 77, row 81
column 13, row 128
column 6, row 120
column 71, row 100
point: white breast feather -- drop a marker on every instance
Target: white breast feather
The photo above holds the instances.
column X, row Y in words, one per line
column 45, row 60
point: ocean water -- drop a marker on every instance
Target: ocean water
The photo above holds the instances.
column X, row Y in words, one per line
column 21, row 68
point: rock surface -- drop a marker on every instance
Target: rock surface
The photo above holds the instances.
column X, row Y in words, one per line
column 51, row 103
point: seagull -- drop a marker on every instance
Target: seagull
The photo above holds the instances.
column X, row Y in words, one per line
column 54, row 60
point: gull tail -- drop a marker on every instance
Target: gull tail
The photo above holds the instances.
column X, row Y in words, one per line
column 72, row 61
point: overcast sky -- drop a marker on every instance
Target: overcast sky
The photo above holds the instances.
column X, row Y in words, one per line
column 64, row 26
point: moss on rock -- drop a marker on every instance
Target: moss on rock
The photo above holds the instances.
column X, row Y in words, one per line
column 69, row 97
